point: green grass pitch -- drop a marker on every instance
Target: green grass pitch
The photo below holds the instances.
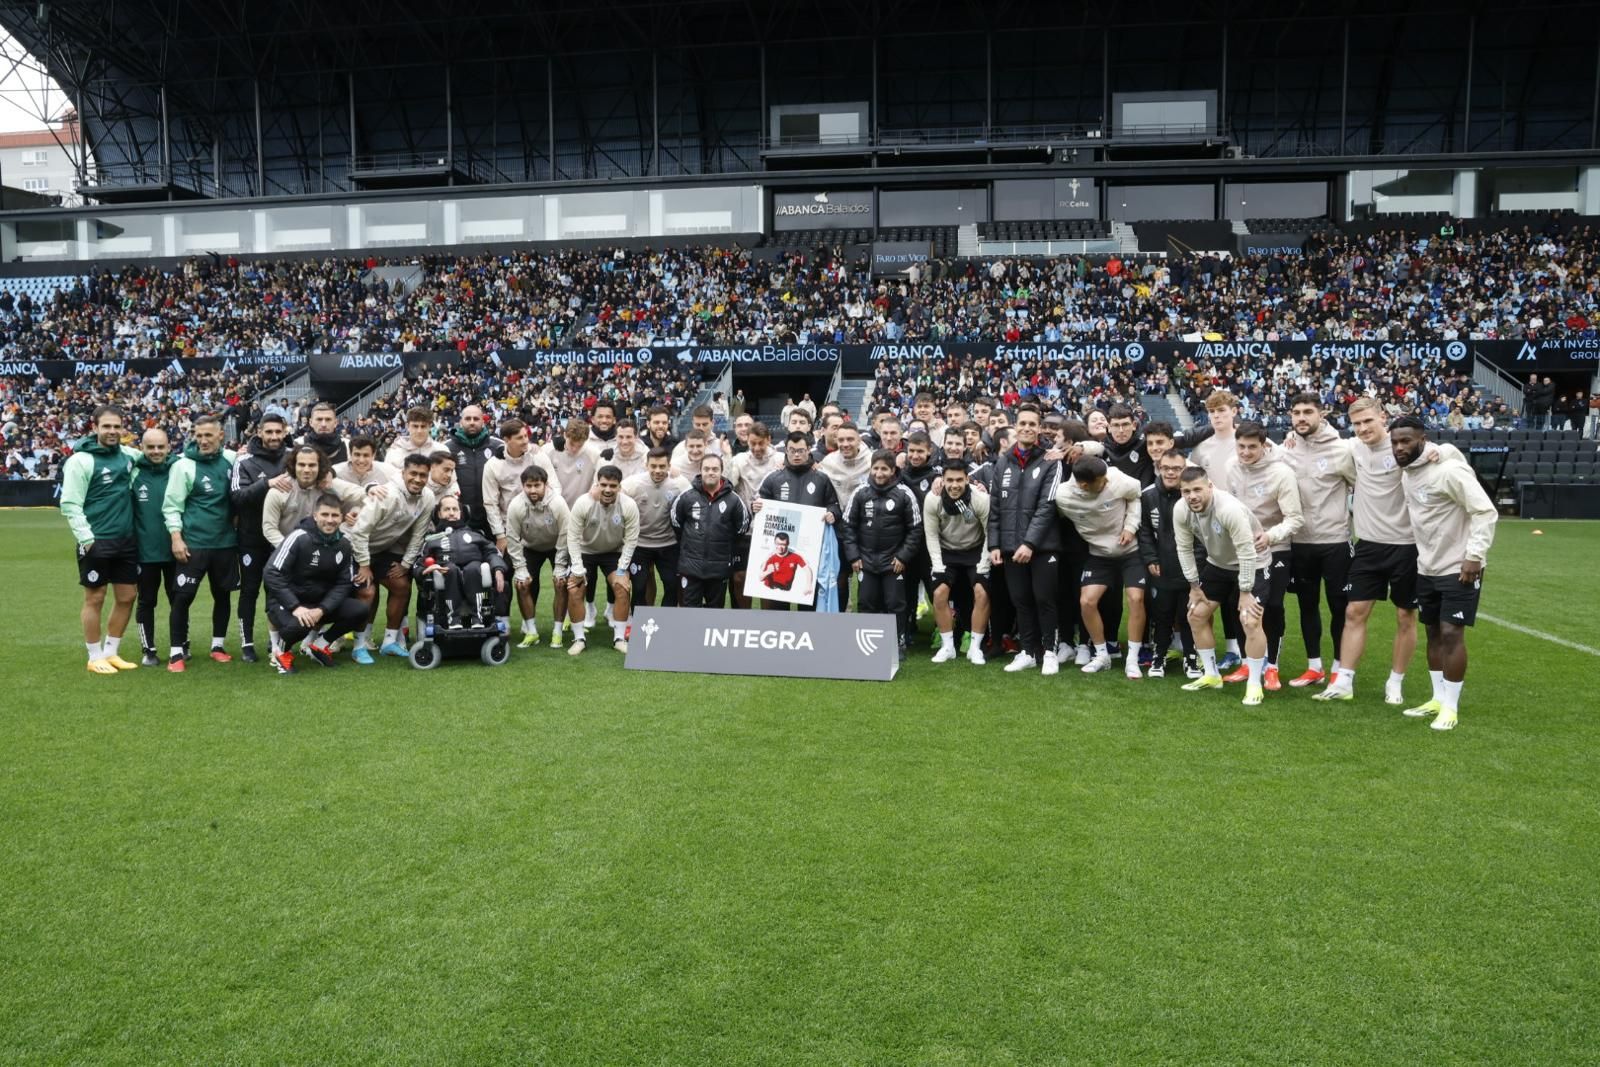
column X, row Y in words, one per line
column 562, row 862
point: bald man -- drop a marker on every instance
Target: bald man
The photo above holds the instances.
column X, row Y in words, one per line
column 473, row 446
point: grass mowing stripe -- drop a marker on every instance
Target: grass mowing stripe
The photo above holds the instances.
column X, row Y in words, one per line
column 1531, row 632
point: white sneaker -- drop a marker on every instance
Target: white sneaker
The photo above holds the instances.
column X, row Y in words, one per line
column 1050, row 665
column 975, row 655
column 1392, row 694
column 1023, row 662
column 620, row 645
column 1063, row 652
column 576, row 649
column 1083, row 655
column 1097, row 663
column 1445, row 720
column 945, row 654
column 1131, row 669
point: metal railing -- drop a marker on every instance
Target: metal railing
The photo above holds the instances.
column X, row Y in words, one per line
column 362, row 402
column 1497, row 382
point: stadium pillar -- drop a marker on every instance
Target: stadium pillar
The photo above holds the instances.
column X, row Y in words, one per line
column 261, row 161
column 449, row 129
column 655, row 117
column 1466, row 106
column 1344, row 85
column 550, row 104
column 988, row 84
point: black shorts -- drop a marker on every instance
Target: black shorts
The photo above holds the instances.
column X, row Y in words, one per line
column 115, row 561
column 605, row 565
column 1442, row 598
column 219, row 565
column 1377, row 570
column 963, row 576
column 382, row 561
column 536, row 558
column 1128, row 572
column 1326, row 564
column 1222, row 586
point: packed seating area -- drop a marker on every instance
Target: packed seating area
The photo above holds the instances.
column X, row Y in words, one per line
column 1389, row 284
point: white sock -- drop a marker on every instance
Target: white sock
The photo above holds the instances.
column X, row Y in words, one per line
column 527, row 626
column 577, row 631
column 1133, row 651
column 391, row 637
column 1100, row 650
column 1396, row 679
column 109, row 646
column 217, row 643
column 1335, row 668
column 1314, row 663
column 557, row 627
column 94, row 650
column 364, row 638
column 1344, row 678
column 947, row 639
column 1255, row 667
column 1233, row 648
column 1208, row 660
column 619, row 630
column 1437, row 678
column 1452, row 694
column 275, row 640
column 175, row 652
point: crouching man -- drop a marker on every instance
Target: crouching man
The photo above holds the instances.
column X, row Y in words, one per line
column 310, row 582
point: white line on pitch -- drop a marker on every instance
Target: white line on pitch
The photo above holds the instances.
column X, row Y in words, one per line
column 1552, row 638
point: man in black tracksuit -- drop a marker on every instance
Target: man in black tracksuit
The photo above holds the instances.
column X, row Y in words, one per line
column 473, row 446
column 322, row 434
column 262, row 467
column 711, row 521
column 311, row 584
column 1168, row 590
column 457, row 553
column 799, row 482
column 1025, row 540
column 922, row 469
column 881, row 532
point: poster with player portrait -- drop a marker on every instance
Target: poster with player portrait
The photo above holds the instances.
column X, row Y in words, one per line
column 785, row 548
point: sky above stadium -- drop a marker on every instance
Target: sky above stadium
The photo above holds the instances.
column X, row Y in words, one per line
column 29, row 98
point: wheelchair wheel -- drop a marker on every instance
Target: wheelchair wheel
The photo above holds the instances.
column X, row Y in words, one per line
column 425, row 655
column 496, row 651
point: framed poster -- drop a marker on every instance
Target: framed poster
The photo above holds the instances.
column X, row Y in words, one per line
column 785, row 548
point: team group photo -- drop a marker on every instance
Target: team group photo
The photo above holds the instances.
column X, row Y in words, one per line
column 801, row 534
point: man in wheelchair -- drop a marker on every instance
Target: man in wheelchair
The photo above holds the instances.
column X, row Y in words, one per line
column 463, row 578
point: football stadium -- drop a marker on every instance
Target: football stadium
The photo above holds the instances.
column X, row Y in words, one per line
column 800, row 533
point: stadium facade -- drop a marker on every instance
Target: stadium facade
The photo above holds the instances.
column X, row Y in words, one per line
column 296, row 128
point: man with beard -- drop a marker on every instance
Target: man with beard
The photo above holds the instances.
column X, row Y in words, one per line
column 473, row 446
column 746, row 473
column 602, row 534
column 536, row 524
column 882, row 528
column 955, row 524
column 1325, row 471
column 261, row 468
column 1025, row 541
column 1454, row 521
column 502, row 477
column 198, row 511
column 710, row 520
column 1168, row 591
column 1267, row 487
column 603, row 427
column 1103, row 505
column 799, row 481
column 322, row 433
column 310, row 580
column 98, row 507
column 386, row 540
column 655, row 492
column 158, row 571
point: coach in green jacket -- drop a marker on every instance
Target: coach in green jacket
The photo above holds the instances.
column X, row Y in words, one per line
column 157, row 567
column 99, row 510
column 198, row 510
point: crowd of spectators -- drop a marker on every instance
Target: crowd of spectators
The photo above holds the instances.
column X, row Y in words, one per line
column 1389, row 285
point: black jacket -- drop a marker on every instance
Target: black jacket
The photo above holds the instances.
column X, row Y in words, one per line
column 800, row 486
column 472, row 455
column 709, row 529
column 258, row 466
column 1156, row 542
column 1022, row 508
column 920, row 479
column 881, row 524
column 336, row 448
column 311, row 569
column 459, row 545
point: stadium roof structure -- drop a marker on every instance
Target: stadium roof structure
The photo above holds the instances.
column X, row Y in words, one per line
column 225, row 98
